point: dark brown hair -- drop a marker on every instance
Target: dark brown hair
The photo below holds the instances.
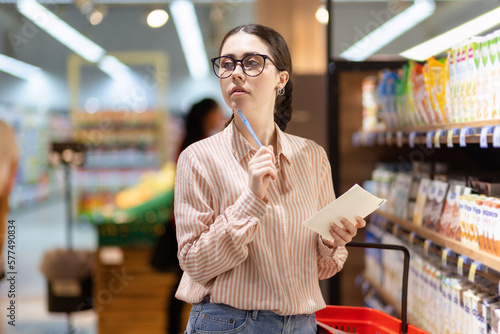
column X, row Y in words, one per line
column 280, row 55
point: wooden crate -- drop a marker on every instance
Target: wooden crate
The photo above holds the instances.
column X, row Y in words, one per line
column 132, row 297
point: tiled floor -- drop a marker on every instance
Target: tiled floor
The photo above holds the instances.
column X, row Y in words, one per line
column 40, row 229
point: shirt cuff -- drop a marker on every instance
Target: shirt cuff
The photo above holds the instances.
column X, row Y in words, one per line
column 326, row 251
column 250, row 206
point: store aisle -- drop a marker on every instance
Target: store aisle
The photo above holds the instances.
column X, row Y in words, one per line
column 40, row 229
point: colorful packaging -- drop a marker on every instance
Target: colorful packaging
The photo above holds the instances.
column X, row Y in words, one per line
column 436, row 88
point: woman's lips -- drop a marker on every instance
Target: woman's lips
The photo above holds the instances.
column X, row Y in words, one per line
column 238, row 91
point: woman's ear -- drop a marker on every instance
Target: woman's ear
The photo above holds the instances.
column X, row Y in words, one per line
column 284, row 76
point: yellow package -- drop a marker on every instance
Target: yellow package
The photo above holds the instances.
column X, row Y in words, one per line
column 435, row 84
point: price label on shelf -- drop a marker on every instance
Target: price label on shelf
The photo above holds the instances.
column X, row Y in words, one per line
column 449, row 137
column 437, row 138
column 427, row 244
column 430, row 134
column 399, row 139
column 496, row 136
column 411, row 139
column 463, row 132
column 460, row 264
column 483, row 139
column 444, row 257
column 411, row 238
column 472, row 271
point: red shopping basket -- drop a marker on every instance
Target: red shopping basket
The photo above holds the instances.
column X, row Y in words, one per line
column 364, row 320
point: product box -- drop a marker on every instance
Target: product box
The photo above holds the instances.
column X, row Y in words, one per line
column 423, row 189
column 434, row 204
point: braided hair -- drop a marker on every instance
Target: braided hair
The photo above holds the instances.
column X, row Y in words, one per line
column 282, row 60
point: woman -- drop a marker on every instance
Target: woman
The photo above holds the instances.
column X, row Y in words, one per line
column 9, row 157
column 250, row 266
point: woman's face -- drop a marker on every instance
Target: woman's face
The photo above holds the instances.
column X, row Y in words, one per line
column 252, row 95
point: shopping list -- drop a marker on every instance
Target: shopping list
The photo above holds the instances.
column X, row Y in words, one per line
column 354, row 202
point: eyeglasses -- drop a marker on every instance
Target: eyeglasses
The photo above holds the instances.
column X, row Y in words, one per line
column 252, row 65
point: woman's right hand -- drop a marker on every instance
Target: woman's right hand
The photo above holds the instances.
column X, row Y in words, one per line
column 261, row 170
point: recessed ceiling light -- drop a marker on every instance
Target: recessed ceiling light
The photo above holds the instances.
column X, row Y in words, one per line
column 157, row 18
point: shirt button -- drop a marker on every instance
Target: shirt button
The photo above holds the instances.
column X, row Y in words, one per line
column 259, row 214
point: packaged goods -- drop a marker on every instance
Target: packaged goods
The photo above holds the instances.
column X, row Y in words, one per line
column 434, row 204
column 435, row 83
column 423, row 190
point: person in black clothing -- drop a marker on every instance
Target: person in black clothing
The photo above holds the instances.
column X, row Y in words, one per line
column 203, row 120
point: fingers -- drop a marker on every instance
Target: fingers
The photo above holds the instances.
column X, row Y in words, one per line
column 343, row 235
column 261, row 169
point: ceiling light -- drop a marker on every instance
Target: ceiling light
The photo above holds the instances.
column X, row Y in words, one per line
column 95, row 17
column 188, row 29
column 60, row 30
column 450, row 38
column 18, row 68
column 115, row 69
column 390, row 30
column 157, row 18
column 322, row 14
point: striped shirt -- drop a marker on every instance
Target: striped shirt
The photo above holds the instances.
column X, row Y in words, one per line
column 245, row 252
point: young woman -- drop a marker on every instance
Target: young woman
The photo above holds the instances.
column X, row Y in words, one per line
column 249, row 264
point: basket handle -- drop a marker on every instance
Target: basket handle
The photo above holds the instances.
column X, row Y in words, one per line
column 406, row 269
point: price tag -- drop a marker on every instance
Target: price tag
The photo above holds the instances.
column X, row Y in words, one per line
column 430, row 134
column 483, row 139
column 444, row 257
column 463, row 132
column 437, row 138
column 411, row 238
column 388, row 138
column 381, row 138
column 427, row 243
column 399, row 139
column 472, row 271
column 355, row 139
column 449, row 138
column 496, row 136
column 411, row 139
column 460, row 264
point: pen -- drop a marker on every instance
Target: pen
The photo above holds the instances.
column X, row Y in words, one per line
column 247, row 124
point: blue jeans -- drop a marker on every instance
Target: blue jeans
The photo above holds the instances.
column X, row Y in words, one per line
column 211, row 318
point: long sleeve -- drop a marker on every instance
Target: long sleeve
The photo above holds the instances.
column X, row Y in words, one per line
column 330, row 261
column 211, row 244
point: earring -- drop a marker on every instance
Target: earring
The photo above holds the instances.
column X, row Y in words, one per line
column 280, row 91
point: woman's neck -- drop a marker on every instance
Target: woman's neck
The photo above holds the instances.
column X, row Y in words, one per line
column 263, row 128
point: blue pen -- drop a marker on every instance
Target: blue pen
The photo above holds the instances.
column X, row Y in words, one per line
column 247, row 124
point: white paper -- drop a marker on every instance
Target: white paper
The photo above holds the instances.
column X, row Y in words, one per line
column 354, row 202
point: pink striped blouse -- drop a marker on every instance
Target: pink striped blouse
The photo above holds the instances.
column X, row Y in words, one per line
column 245, row 252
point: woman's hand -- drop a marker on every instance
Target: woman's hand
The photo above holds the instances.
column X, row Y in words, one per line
column 342, row 236
column 261, row 170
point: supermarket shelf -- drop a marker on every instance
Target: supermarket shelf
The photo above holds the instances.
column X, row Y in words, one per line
column 387, row 298
column 440, row 135
column 485, row 258
column 447, row 126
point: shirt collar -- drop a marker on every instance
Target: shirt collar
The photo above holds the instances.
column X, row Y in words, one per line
column 241, row 147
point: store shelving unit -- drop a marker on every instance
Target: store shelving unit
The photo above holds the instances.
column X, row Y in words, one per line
column 489, row 260
column 486, row 132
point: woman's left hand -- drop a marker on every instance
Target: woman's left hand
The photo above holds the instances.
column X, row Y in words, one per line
column 342, row 236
